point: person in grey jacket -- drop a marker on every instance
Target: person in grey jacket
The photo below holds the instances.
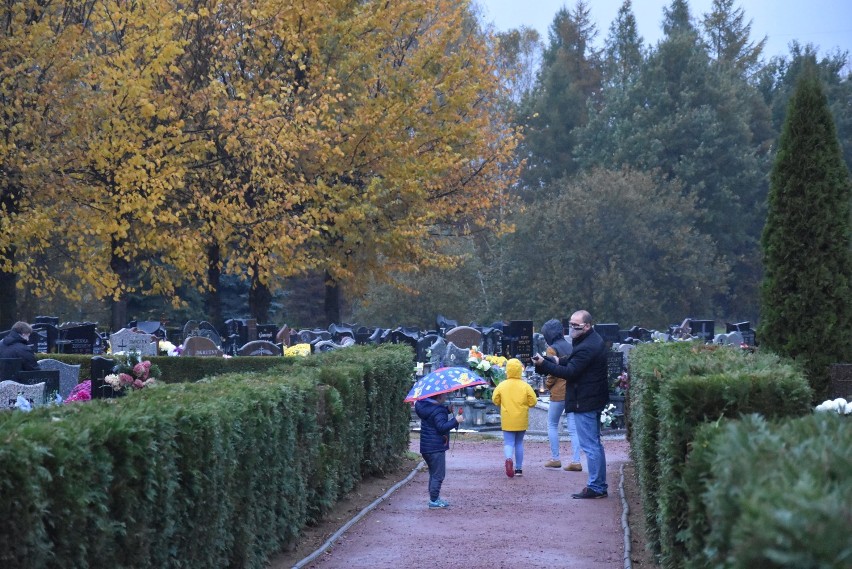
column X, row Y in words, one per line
column 586, row 394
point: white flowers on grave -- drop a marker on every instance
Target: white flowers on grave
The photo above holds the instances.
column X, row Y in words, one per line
column 839, row 406
column 607, row 415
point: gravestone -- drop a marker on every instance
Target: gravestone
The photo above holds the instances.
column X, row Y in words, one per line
column 69, row 375
column 609, row 333
column 49, row 377
column 423, row 346
column 444, row 324
column 362, row 335
column 283, row 336
column 614, row 366
column 456, row 356
column 9, row 391
column 491, row 340
column 207, row 330
column 267, row 332
column 100, row 368
column 518, row 340
column 78, row 338
column 45, row 342
column 52, row 320
column 259, row 348
column 437, row 351
column 127, row 341
column 745, row 329
column 151, row 327
column 338, row 331
column 703, row 329
column 200, row 347
column 464, row 337
column 190, row 329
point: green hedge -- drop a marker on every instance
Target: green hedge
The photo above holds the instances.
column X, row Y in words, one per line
column 218, row 473
column 771, row 494
column 185, row 369
column 674, row 388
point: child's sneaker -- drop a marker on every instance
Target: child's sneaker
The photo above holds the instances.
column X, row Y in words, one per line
column 434, row 504
column 519, row 472
column 510, row 468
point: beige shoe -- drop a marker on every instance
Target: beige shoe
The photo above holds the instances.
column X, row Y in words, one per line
column 553, row 464
column 574, row 467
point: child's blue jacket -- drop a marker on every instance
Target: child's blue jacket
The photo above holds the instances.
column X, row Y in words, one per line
column 435, row 426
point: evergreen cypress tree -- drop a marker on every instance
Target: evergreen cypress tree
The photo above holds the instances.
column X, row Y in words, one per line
column 806, row 294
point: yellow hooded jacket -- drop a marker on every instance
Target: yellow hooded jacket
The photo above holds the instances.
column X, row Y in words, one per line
column 515, row 397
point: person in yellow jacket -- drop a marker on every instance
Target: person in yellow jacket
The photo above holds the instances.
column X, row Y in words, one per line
column 515, row 397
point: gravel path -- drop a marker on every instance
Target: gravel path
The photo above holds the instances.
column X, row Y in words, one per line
column 494, row 521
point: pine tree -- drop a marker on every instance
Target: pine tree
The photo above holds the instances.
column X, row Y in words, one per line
column 806, row 296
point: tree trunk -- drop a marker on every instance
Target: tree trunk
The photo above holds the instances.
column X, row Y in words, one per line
column 8, row 297
column 260, row 300
column 8, row 292
column 121, row 267
column 213, row 298
column 332, row 300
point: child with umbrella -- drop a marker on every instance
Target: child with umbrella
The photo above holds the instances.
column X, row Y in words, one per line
column 435, row 427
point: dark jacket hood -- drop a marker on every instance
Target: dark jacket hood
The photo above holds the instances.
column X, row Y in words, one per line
column 555, row 337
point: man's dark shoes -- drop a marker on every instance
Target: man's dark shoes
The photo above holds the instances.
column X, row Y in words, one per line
column 589, row 494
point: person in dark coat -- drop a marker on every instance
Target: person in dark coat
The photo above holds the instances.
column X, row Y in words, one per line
column 16, row 345
column 560, row 346
column 586, row 394
column 435, row 427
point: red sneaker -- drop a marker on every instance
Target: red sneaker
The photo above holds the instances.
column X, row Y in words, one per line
column 510, row 468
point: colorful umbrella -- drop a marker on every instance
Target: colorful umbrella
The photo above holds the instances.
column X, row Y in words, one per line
column 443, row 380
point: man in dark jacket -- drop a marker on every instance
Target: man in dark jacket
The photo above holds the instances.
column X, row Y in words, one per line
column 435, row 427
column 586, row 394
column 16, row 345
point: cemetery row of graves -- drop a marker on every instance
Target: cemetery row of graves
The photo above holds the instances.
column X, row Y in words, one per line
column 448, row 344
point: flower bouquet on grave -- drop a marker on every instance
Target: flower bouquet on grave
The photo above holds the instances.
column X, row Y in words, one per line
column 492, row 368
column 608, row 416
column 133, row 373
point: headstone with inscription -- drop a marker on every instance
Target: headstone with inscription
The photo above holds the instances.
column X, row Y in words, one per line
column 200, row 347
column 78, row 338
column 259, row 348
column 44, row 338
column 267, row 332
column 127, row 341
column 518, row 340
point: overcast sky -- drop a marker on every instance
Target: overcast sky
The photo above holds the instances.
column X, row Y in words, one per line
column 825, row 23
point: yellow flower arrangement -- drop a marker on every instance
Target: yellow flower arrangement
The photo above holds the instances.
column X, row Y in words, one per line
column 298, row 350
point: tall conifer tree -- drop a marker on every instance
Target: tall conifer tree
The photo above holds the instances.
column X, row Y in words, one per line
column 806, row 302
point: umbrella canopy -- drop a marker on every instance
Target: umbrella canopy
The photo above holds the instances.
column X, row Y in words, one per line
column 443, row 380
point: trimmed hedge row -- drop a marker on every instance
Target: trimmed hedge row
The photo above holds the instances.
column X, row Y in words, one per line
column 218, row 473
column 765, row 494
column 677, row 387
column 184, row 369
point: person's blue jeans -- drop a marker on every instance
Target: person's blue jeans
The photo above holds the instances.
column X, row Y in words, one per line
column 589, row 433
column 513, row 444
column 437, row 463
column 571, row 427
column 554, row 412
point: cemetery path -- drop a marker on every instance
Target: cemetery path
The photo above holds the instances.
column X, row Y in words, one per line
column 493, row 521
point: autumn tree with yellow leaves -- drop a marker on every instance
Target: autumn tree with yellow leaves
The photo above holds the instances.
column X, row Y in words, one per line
column 268, row 139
